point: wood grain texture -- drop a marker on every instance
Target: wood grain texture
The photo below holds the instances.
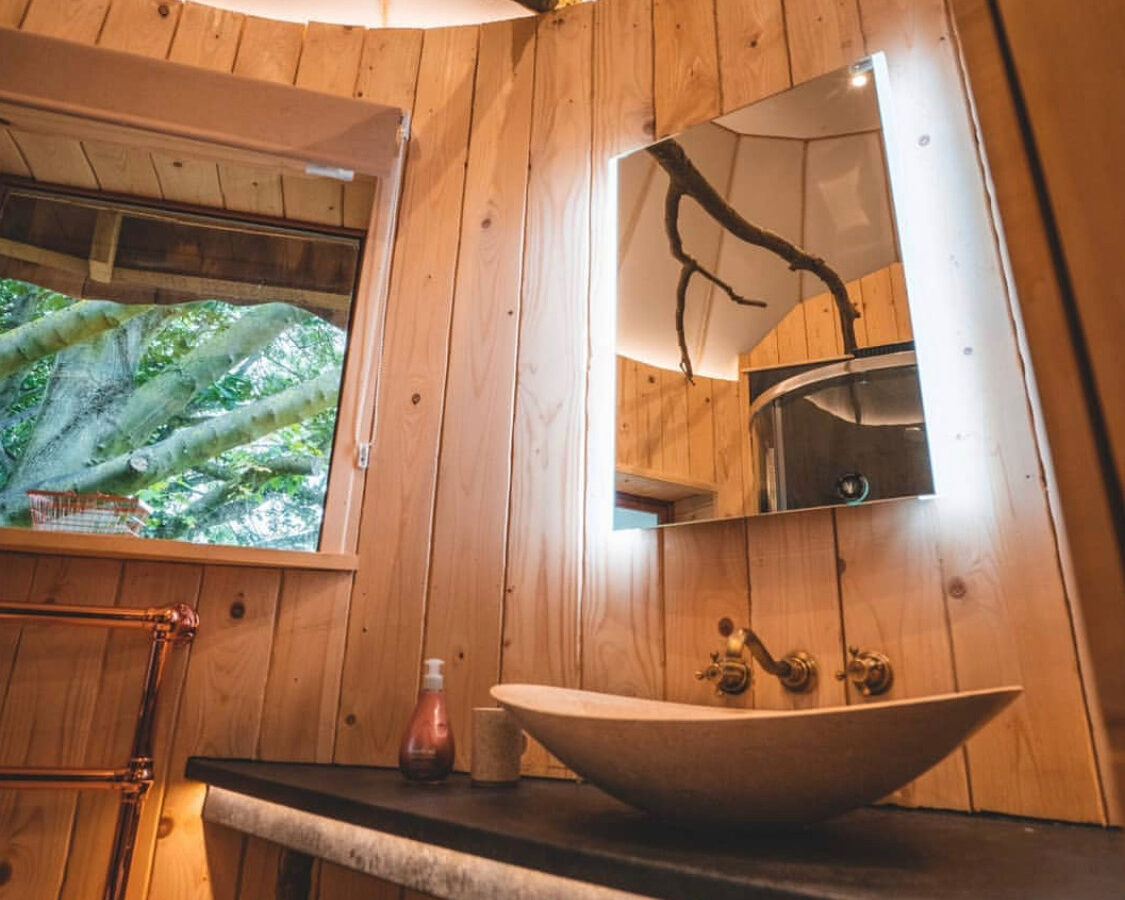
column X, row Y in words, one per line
column 73, row 20
column 1010, row 621
column 121, row 169
column 1075, row 130
column 11, row 159
column 55, row 160
column 140, row 26
column 303, row 689
column 339, row 883
column 207, row 37
column 686, row 89
column 12, row 12
column 878, row 308
column 388, row 604
column 388, row 66
column 220, row 715
column 466, row 588
column 622, row 627
column 705, row 579
column 823, row 35
column 1080, row 492
column 753, row 53
column 794, row 602
column 269, row 50
column 729, row 415
column 893, row 602
column 674, row 423
column 47, row 720
column 546, row 520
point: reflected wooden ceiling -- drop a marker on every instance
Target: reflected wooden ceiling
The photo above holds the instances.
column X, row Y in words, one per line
column 196, row 179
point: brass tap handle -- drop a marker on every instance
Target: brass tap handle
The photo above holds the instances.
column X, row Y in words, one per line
column 869, row 670
column 731, row 676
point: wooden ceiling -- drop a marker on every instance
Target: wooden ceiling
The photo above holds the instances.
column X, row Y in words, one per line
column 196, row 179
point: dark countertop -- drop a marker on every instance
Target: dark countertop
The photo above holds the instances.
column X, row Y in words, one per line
column 576, row 831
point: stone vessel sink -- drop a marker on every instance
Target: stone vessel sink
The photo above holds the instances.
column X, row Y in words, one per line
column 754, row 767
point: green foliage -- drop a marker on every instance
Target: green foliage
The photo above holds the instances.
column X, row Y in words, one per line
column 269, row 492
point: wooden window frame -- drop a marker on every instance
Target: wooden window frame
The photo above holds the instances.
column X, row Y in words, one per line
column 57, row 87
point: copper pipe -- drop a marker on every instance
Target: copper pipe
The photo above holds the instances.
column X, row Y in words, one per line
column 179, row 621
column 170, row 625
column 12, row 778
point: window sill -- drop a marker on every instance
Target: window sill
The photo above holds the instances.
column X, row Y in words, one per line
column 114, row 546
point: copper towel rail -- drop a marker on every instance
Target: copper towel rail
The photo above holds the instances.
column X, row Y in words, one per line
column 170, row 626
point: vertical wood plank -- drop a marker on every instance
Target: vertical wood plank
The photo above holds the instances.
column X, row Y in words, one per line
column 855, row 295
column 1080, row 492
column 901, row 302
column 892, row 601
column 47, row 720
column 122, row 169
column 622, row 626
column 823, row 35
column 207, row 37
column 878, row 308
column 12, row 12
column 1009, row 617
column 339, row 883
column 753, row 52
column 794, row 602
column 701, row 429
column 466, row 589
column 705, row 579
column 388, row 66
column 731, row 422
column 184, row 180
column 73, row 20
column 389, row 598
column 19, row 570
column 546, row 520
column 220, row 715
column 54, row 159
column 140, row 26
column 625, row 449
column 119, row 688
column 822, row 327
column 686, row 86
column 674, row 419
column 792, row 337
column 650, row 426
column 303, row 688
column 269, row 50
column 11, row 159
column 766, row 353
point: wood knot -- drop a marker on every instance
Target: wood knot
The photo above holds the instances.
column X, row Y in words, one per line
column 349, row 719
column 237, row 609
column 163, row 10
column 841, row 565
column 957, row 588
column 415, row 399
column 164, row 827
column 5, row 871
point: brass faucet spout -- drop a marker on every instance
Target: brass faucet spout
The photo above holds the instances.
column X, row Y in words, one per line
column 796, row 671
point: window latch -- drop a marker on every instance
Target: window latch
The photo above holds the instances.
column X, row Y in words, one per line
column 363, row 455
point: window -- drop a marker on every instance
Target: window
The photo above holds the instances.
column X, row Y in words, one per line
column 168, row 374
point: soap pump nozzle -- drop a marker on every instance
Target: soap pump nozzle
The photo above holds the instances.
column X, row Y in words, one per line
column 432, row 679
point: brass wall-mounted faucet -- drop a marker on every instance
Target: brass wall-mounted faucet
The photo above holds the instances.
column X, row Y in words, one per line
column 731, row 673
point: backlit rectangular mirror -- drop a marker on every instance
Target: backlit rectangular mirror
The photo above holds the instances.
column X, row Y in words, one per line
column 765, row 356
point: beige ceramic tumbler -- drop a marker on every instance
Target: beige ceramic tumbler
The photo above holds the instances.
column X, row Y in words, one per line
column 498, row 744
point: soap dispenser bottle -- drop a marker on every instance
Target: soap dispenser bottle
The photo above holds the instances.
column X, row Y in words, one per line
column 426, row 754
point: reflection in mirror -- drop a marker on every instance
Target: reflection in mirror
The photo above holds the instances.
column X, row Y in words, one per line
column 765, row 353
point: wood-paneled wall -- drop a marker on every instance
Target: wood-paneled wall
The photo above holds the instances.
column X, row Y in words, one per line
column 485, row 532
